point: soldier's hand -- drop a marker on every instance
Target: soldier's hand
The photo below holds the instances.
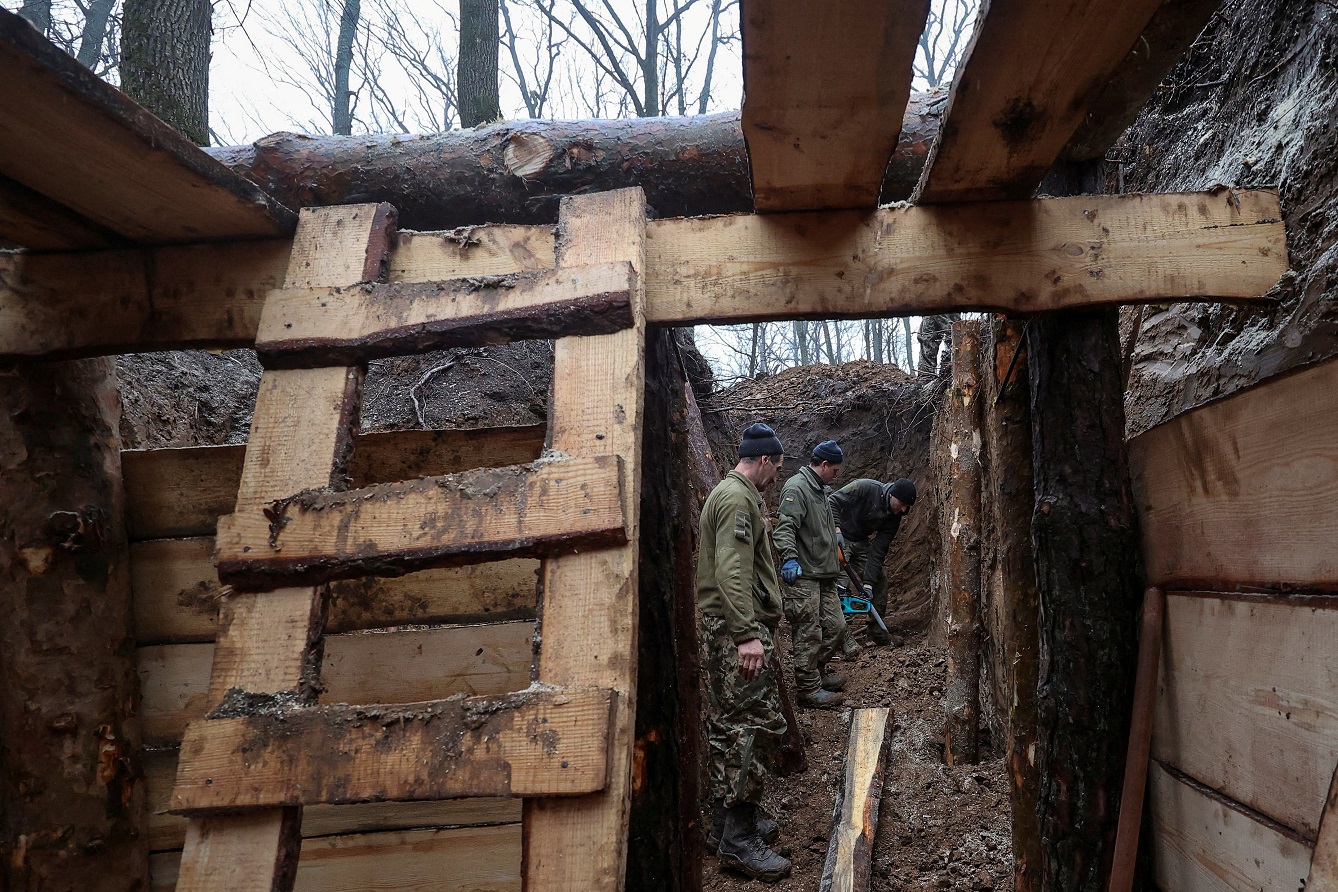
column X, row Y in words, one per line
column 751, row 658
column 791, row 571
column 868, row 591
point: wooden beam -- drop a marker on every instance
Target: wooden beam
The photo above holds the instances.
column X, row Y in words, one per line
column 1324, row 865
column 825, row 86
column 1245, row 701
column 78, row 140
column 520, row 510
column 849, row 865
column 338, row 326
column 36, row 222
column 539, row 742
column 1241, row 491
column 1205, row 843
column 183, row 492
column 1024, row 87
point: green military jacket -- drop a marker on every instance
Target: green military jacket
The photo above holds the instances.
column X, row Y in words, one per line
column 736, row 573
column 806, row 530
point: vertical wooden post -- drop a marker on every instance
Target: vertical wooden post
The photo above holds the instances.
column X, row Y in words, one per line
column 961, row 546
column 73, row 809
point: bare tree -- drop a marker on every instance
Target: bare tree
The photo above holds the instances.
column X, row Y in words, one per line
column 943, row 41
column 38, row 14
column 93, row 35
column 477, row 61
column 419, row 40
column 534, row 78
column 340, row 113
column 165, row 61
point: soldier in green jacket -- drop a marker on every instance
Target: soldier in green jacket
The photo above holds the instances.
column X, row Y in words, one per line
column 740, row 604
column 868, row 514
column 805, row 540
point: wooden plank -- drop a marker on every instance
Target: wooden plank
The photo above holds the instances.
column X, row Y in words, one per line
column 176, row 594
column 541, row 508
column 1244, row 490
column 183, row 492
column 1323, row 875
column 78, row 140
column 590, row 611
column 1246, row 701
column 1014, row 257
column 1029, row 75
column 825, row 87
column 849, row 865
column 496, row 250
column 543, row 741
column 304, row 327
column 378, row 667
column 1203, row 844
column 30, row 219
column 463, row 860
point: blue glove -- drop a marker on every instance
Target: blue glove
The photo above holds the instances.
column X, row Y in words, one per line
column 790, row 571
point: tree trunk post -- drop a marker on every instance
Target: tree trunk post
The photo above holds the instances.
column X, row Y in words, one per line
column 477, row 66
column 71, row 796
column 961, row 546
column 165, row 61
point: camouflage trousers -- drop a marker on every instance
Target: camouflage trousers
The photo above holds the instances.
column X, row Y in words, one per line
column 858, row 555
column 744, row 724
column 817, row 628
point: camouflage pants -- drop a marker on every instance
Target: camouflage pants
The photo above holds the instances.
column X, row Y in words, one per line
column 858, row 555
column 744, row 724
column 817, row 628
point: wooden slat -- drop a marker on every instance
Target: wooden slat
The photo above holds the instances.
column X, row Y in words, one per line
column 589, row 627
column 1202, row 844
column 1324, row 865
column 825, row 87
column 497, row 250
column 1023, row 88
column 1248, row 701
column 538, row 742
column 305, row 327
column 1244, row 490
column 521, row 510
column 76, row 139
column 183, row 492
column 360, row 668
column 176, row 594
column 40, row 224
column 1014, row 257
column 849, row 865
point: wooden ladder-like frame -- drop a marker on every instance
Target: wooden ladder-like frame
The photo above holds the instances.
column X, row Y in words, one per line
column 566, row 743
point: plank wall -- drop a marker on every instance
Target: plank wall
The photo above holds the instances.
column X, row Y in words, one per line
column 1238, row 503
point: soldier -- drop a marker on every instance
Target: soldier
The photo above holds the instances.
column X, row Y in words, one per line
column 806, row 545
column 868, row 514
column 740, row 605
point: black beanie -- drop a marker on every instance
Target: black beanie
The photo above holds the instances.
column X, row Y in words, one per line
column 829, row 452
column 759, row 439
column 903, row 490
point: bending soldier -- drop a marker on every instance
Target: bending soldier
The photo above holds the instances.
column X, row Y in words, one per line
column 868, row 514
column 740, row 605
column 806, row 546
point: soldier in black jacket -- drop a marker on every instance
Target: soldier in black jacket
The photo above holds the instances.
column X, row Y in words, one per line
column 868, row 514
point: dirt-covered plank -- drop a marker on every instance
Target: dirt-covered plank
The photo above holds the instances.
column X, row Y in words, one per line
column 339, row 326
column 521, row 510
column 849, row 865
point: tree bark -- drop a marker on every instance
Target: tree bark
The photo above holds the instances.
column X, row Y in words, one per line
column 165, row 61
column 1009, row 579
column 72, row 800
column 476, row 69
column 38, row 14
column 961, row 549
column 341, row 113
column 516, row 172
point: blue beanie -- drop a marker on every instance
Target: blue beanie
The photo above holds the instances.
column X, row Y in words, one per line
column 829, row 452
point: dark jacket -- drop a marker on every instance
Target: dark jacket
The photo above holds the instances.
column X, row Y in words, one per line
column 806, row 530
column 861, row 512
column 736, row 573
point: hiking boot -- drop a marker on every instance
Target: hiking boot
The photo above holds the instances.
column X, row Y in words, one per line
column 768, row 829
column 742, row 849
column 879, row 638
column 833, row 681
column 850, row 649
column 820, row 699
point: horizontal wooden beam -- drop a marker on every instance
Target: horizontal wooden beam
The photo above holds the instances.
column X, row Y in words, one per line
column 1241, row 491
column 1017, row 257
column 543, row 741
column 308, row 327
column 518, row 511
column 183, row 492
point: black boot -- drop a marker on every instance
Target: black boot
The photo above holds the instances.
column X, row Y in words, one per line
column 743, row 849
column 768, row 829
column 820, row 699
column 833, row 681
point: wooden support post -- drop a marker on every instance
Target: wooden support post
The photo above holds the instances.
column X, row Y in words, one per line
column 961, row 547
column 72, row 803
column 1009, row 577
column 590, row 604
column 301, row 436
column 849, row 866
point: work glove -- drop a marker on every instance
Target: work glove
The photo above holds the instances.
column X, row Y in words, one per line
column 790, row 571
column 841, row 542
column 867, row 592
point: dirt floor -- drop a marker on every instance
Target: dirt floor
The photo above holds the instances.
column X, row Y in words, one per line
column 938, row 828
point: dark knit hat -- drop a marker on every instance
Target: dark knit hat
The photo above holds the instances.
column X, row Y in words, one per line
column 903, row 489
column 829, row 452
column 759, row 439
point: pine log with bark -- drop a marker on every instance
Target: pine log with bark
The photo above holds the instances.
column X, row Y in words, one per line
column 516, row 172
column 476, row 67
column 72, row 800
column 165, row 61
